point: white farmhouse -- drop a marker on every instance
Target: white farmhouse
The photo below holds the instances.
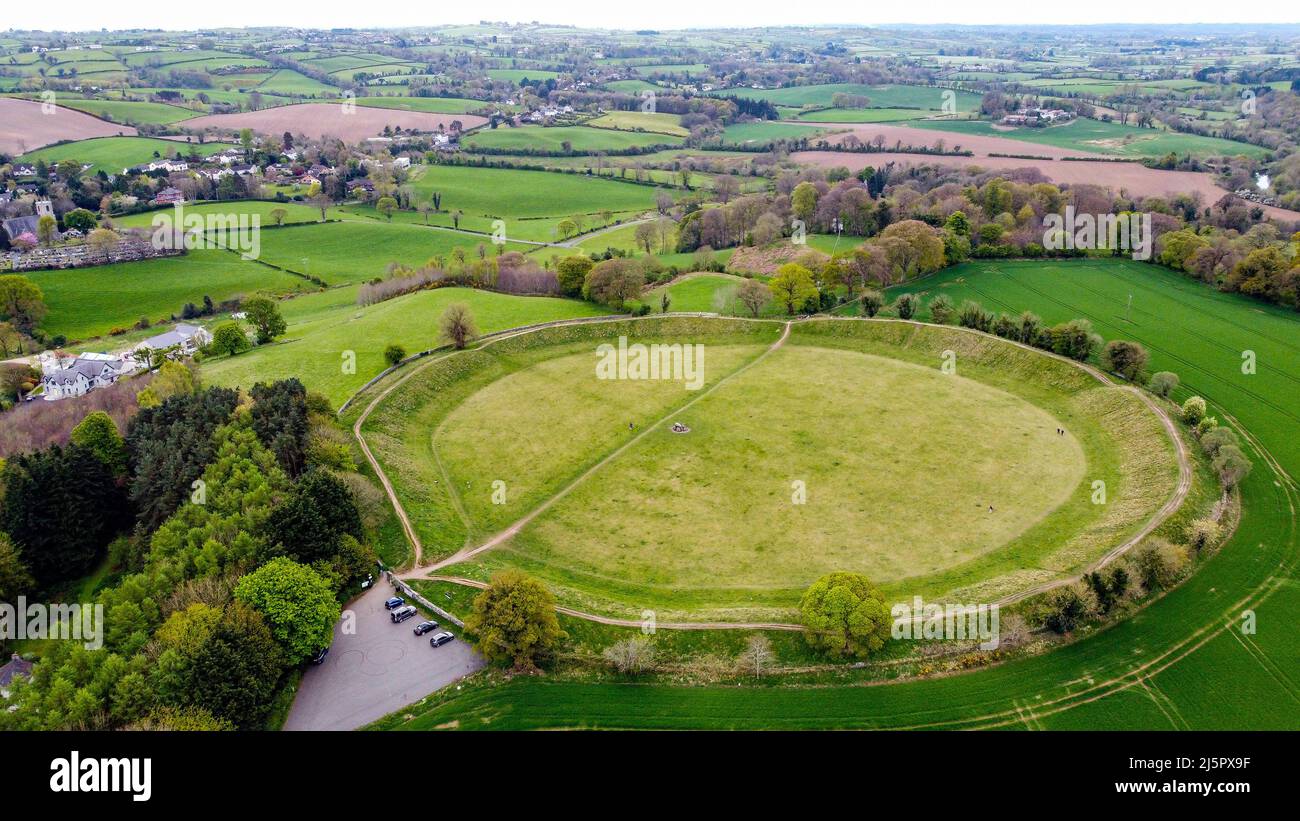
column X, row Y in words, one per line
column 84, row 374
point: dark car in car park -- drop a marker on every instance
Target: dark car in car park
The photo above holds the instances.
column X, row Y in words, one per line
column 425, row 627
column 395, row 602
column 440, row 639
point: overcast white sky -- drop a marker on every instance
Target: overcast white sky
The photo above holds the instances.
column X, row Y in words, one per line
column 86, row 15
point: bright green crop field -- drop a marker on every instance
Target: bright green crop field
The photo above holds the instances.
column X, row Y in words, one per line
column 323, row 325
column 86, row 302
column 1179, row 663
column 766, row 131
column 351, row 252
column 577, row 137
column 112, row 154
column 1103, row 138
column 434, row 105
column 130, row 112
column 531, row 202
column 929, row 98
column 862, row 115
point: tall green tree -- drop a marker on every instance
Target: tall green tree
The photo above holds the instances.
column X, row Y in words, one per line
column 21, row 302
column 265, row 317
column 98, row 434
column 514, row 620
column 280, row 419
column 793, row 287
column 572, row 273
column 61, row 507
column 169, row 446
column 297, row 603
column 845, row 615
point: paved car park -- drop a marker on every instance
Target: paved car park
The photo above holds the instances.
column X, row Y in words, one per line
column 379, row 668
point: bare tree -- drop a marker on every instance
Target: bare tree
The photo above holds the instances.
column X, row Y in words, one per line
column 725, row 187
column 758, row 652
column 631, row 656
column 458, row 325
column 754, row 295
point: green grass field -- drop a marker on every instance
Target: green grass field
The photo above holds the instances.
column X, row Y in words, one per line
column 577, row 138
column 132, row 113
column 642, row 121
column 708, row 293
column 531, row 202
column 287, row 82
column 927, row 98
column 766, row 131
column 656, row 526
column 1172, row 666
column 86, row 302
column 294, row 212
column 862, row 115
column 433, row 105
column 1103, row 138
column 516, row 75
column 351, row 252
column 323, row 325
column 112, row 154
column 632, row 86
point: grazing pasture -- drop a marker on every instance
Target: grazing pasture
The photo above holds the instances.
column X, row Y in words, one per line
column 434, row 105
column 131, row 113
column 925, row 98
column 654, row 525
column 1084, row 135
column 351, row 252
column 291, row 83
column 565, row 138
column 113, row 154
column 520, row 197
column 642, row 121
column 1192, row 679
column 324, row 325
column 766, row 131
column 87, row 302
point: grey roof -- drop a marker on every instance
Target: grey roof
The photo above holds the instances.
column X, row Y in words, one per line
column 176, row 336
column 13, row 668
column 89, row 368
column 166, row 340
column 17, row 226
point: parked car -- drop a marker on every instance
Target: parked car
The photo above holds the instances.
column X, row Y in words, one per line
column 319, row 658
column 401, row 614
column 425, row 627
column 395, row 602
column 440, row 639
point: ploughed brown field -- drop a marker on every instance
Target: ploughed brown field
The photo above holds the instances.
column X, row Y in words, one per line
column 25, row 127
column 1134, row 178
column 317, row 120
